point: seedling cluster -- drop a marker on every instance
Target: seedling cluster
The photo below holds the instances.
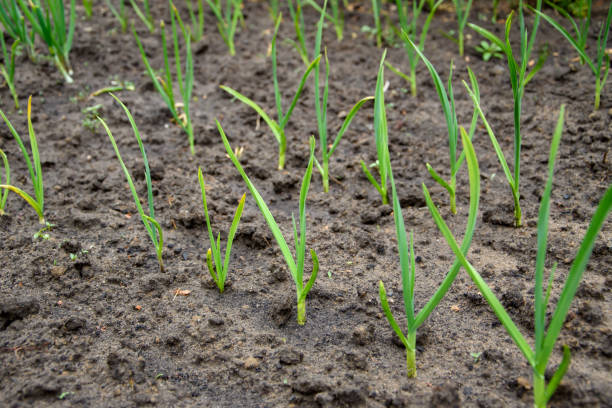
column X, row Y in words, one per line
column 53, row 23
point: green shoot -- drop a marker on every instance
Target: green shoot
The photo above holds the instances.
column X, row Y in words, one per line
column 116, row 86
column 447, row 100
column 298, row 23
column 376, row 13
column 119, row 13
column 512, row 180
column 184, row 79
column 219, row 271
column 50, row 25
column 295, row 264
column 409, row 29
column 144, row 14
column 88, row 6
column 7, row 181
column 8, row 68
column 14, row 25
column 462, row 8
column 227, row 19
column 545, row 337
column 321, row 110
column 336, row 17
column 381, row 135
column 495, row 11
column 197, row 21
column 407, row 263
column 276, row 126
column 600, row 66
column 518, row 80
column 151, row 224
column 34, row 167
column 274, row 9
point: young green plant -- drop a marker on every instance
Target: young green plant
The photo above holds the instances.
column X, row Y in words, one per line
column 49, row 24
column 7, row 181
column 409, row 29
column 447, row 100
column 151, row 224
column 377, row 25
column 184, row 79
column 545, row 337
column 227, row 19
column 600, row 66
column 295, row 264
column 407, row 262
column 321, row 109
column 197, row 20
column 218, row 272
column 489, row 50
column 276, row 126
column 336, row 17
column 380, row 135
column 144, row 14
column 119, row 13
column 519, row 77
column 462, row 9
column 88, row 6
column 34, row 168
column 14, row 25
column 296, row 13
column 8, row 68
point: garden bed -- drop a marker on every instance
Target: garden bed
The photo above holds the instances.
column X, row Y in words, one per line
column 87, row 315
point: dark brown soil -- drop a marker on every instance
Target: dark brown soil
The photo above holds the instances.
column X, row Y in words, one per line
column 108, row 329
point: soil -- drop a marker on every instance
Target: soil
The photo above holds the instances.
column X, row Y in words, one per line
column 104, row 327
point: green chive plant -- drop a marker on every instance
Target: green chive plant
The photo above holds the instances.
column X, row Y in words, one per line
column 49, row 24
column 119, row 13
column 276, row 126
column 88, row 6
column 295, row 264
column 197, row 20
column 447, row 100
column 519, row 77
column 600, row 66
column 151, row 224
column 218, row 272
column 407, row 262
column 8, row 68
column 462, row 8
column 378, row 27
column 545, row 336
column 274, row 9
column 14, row 25
column 381, row 136
column 336, row 17
column 410, row 30
column 227, row 15
column 297, row 17
column 144, row 14
column 34, row 168
column 184, row 79
column 321, row 109
column 7, row 181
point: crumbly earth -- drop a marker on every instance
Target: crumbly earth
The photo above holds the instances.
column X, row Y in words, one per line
column 104, row 327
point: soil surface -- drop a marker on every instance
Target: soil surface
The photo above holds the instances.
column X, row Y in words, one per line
column 104, row 327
